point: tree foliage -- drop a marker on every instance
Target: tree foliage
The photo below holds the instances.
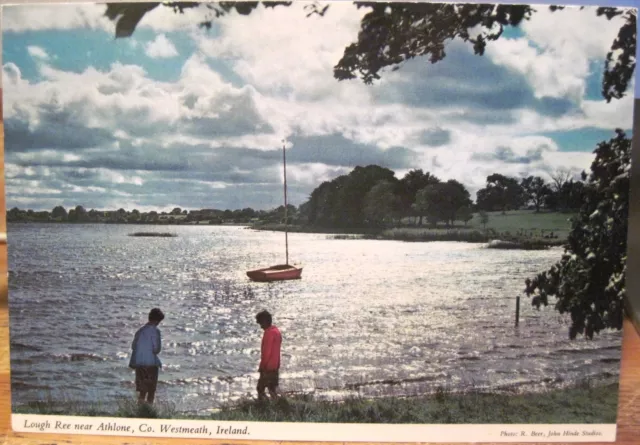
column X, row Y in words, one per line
column 442, row 201
column 392, row 33
column 373, row 196
column 568, row 197
column 464, row 214
column 589, row 281
column 59, row 212
column 409, row 185
column 381, row 204
column 501, row 193
column 535, row 191
column 621, row 60
column 340, row 202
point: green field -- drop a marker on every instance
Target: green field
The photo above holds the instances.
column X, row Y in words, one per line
column 540, row 224
column 521, row 229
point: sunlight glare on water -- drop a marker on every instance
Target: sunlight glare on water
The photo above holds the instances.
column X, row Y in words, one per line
column 368, row 317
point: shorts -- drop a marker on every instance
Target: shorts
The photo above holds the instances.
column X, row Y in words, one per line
column 146, row 378
column 268, row 379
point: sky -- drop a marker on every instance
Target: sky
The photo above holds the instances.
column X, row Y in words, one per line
column 178, row 116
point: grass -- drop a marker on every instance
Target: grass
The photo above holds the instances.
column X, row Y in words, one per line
column 518, row 229
column 583, row 403
column 157, row 234
column 574, row 405
column 125, row 408
column 426, row 234
column 537, row 225
column 345, row 236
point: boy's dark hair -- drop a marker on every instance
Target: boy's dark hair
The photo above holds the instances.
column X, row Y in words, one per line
column 156, row 315
column 264, row 316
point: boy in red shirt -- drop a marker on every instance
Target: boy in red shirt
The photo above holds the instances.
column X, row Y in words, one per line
column 269, row 368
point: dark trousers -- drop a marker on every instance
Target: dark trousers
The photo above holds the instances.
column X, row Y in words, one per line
column 146, row 379
column 268, row 380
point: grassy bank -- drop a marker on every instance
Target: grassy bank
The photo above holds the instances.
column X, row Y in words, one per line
column 495, row 240
column 526, row 222
column 579, row 404
column 576, row 405
column 518, row 229
column 425, row 234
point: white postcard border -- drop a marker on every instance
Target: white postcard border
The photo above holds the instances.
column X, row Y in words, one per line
column 304, row 431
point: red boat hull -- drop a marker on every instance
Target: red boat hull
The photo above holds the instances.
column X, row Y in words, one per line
column 279, row 272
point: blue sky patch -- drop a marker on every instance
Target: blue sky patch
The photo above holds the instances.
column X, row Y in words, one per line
column 584, row 139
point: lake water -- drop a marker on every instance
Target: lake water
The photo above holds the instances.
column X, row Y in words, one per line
column 368, row 317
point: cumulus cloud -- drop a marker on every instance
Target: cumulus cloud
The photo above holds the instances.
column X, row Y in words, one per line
column 119, row 137
column 161, row 48
column 553, row 56
column 508, row 155
column 281, row 50
column 19, row 18
column 124, row 98
column 37, row 53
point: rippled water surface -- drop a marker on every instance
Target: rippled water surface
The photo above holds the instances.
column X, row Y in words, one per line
column 368, row 317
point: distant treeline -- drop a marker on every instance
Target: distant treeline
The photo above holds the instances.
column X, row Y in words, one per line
column 368, row 196
column 177, row 216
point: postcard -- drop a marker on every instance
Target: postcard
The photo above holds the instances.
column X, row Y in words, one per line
column 331, row 220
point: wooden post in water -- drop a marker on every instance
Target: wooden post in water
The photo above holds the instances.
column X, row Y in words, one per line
column 517, row 310
column 286, row 234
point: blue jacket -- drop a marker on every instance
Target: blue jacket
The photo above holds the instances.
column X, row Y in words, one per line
column 146, row 345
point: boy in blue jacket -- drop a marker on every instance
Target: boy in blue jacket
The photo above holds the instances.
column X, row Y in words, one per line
column 146, row 345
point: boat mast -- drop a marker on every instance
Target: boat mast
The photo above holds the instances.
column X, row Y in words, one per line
column 286, row 234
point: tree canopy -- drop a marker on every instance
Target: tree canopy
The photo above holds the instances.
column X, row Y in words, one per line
column 535, row 191
column 589, row 281
column 442, row 201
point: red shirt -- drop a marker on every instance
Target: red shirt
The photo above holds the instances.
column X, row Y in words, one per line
column 270, row 351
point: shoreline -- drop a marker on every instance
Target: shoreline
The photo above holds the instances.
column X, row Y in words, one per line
column 493, row 239
column 588, row 401
column 518, row 239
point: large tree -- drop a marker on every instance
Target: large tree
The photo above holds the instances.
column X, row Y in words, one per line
column 60, row 213
column 441, row 202
column 340, row 202
column 321, row 209
column 381, row 204
column 589, row 281
column 535, row 191
column 501, row 193
column 409, row 185
column 350, row 202
column 568, row 197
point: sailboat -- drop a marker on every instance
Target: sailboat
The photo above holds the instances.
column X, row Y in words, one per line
column 285, row 271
